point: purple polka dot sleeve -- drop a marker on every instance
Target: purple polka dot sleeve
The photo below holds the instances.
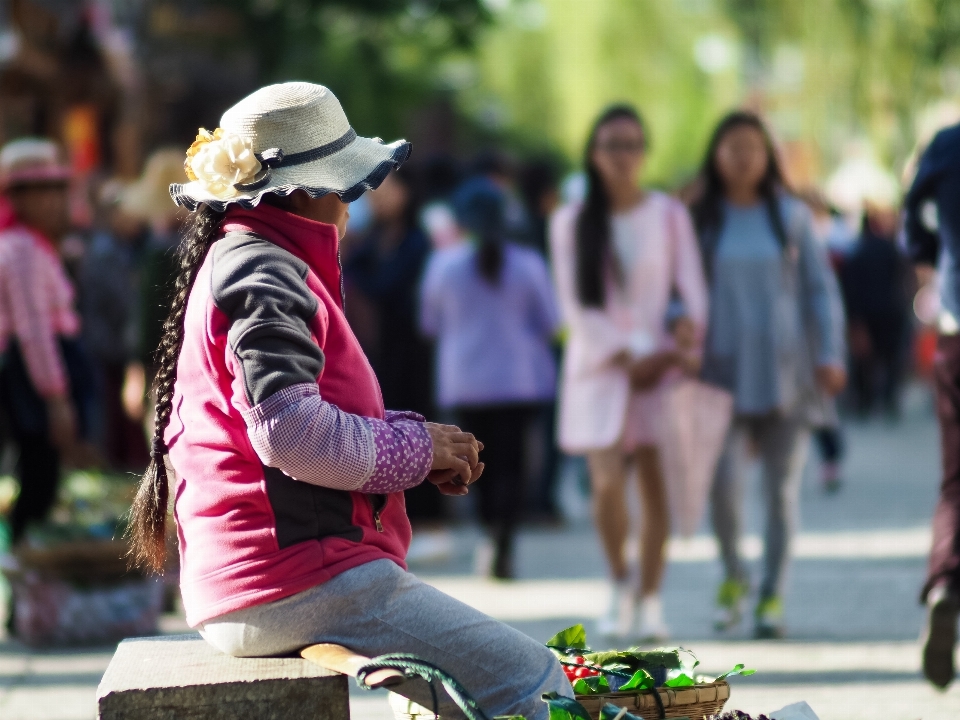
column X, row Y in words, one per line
column 404, row 453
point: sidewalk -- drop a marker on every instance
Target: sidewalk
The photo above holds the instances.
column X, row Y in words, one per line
column 852, row 608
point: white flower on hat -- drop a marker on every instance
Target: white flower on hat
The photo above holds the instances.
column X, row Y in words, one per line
column 220, row 160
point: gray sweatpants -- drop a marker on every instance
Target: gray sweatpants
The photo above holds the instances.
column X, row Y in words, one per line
column 378, row 608
column 782, row 444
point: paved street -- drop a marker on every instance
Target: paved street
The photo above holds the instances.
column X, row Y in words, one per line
column 852, row 610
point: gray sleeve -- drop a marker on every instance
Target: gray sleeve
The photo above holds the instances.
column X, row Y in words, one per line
column 261, row 288
column 823, row 304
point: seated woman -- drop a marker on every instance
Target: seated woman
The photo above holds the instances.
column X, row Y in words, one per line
column 289, row 473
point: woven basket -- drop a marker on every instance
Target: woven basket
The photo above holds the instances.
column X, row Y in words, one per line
column 697, row 702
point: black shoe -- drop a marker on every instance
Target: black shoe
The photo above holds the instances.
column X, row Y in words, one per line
column 940, row 636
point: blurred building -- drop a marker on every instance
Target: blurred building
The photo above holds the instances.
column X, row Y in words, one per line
column 112, row 79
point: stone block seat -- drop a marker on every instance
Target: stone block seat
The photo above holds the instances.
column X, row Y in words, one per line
column 181, row 677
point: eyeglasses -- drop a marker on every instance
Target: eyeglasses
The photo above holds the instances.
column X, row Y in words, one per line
column 616, row 146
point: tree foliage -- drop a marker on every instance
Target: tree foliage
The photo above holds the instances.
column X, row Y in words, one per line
column 379, row 56
column 824, row 71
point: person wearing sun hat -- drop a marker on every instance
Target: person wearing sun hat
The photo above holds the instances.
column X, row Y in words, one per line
column 289, row 473
column 39, row 326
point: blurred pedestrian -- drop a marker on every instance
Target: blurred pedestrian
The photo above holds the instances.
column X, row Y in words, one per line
column 500, row 169
column 440, row 176
column 933, row 237
column 834, row 234
column 110, row 288
column 45, row 381
column 382, row 275
column 775, row 340
column 148, row 200
column 877, row 290
column 539, row 183
column 618, row 258
column 491, row 307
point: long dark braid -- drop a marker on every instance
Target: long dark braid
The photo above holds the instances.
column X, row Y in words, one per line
column 148, row 515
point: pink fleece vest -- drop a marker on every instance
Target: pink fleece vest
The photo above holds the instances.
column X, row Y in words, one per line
column 228, row 505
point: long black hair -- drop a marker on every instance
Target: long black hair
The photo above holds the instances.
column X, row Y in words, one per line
column 593, row 222
column 146, row 529
column 708, row 209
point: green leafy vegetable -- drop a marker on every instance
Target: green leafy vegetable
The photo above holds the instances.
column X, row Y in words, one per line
column 591, row 685
column 666, row 657
column 635, row 659
column 737, row 670
column 681, row 680
column 564, row 708
column 641, row 680
column 696, row 661
column 574, row 637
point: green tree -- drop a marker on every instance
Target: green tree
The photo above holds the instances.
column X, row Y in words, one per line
column 379, row 56
column 823, row 71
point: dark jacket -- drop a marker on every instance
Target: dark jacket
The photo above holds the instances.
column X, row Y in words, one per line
column 938, row 181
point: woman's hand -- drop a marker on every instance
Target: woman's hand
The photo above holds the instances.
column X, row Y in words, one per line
column 831, row 378
column 690, row 364
column 456, row 459
column 449, row 483
column 622, row 359
column 684, row 334
column 646, row 372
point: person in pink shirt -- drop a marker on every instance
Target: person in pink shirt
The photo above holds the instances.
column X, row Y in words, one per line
column 619, row 257
column 38, row 324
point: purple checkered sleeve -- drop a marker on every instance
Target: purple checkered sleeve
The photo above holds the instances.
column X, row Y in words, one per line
column 310, row 440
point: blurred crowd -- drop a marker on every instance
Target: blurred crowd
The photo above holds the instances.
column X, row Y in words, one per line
column 477, row 289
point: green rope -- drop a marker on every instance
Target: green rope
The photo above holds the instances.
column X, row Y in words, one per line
column 412, row 667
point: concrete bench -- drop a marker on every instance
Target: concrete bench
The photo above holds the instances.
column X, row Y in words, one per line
column 181, row 677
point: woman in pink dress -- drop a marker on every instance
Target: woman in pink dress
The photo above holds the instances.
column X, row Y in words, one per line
column 619, row 257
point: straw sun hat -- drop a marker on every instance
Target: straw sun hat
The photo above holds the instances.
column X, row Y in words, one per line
column 31, row 161
column 148, row 198
column 281, row 138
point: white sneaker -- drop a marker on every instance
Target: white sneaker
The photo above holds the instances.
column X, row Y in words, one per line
column 618, row 620
column 651, row 627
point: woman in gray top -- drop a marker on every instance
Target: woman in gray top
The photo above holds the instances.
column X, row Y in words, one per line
column 775, row 340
